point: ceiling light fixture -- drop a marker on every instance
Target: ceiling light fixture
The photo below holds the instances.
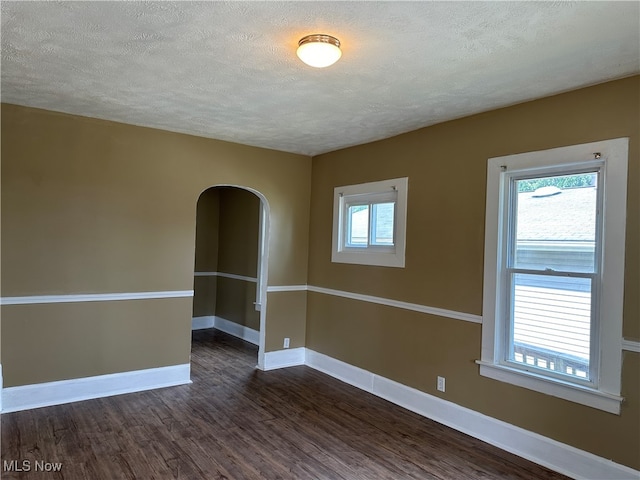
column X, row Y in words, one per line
column 319, row 50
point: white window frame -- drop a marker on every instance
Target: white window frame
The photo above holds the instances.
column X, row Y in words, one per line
column 604, row 391
column 377, row 192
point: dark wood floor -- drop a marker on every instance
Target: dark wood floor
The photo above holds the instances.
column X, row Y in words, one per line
column 236, row 422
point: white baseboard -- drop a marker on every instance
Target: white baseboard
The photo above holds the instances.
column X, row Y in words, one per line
column 209, row 321
column 542, row 450
column 248, row 334
column 200, row 323
column 290, row 357
column 343, row 371
column 65, row 391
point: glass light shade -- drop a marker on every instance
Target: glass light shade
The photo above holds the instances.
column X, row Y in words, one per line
column 319, row 50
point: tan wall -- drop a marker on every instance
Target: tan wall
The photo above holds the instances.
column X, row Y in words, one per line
column 207, row 231
column 206, row 253
column 44, row 343
column 286, row 304
column 90, row 206
column 205, row 294
column 446, row 165
column 235, row 302
column 238, row 232
column 96, row 206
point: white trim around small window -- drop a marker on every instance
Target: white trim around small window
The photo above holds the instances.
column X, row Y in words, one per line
column 369, row 223
column 599, row 384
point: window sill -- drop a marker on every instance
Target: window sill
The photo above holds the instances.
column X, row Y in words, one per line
column 371, row 257
column 567, row 391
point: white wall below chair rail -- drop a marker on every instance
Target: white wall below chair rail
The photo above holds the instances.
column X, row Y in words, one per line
column 66, row 391
column 209, row 321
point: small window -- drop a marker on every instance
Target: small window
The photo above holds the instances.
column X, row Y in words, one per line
column 554, row 271
column 369, row 223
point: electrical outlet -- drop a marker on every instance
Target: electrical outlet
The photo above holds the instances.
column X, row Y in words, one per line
column 441, row 384
column 286, row 342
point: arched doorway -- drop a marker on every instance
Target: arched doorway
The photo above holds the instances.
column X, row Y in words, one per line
column 231, row 258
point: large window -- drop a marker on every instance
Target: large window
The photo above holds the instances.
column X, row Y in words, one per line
column 369, row 223
column 554, row 271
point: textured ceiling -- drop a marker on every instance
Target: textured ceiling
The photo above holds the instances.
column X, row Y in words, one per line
column 228, row 70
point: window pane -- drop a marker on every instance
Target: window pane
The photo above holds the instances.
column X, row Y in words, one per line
column 357, row 226
column 551, row 323
column 382, row 223
column 556, row 223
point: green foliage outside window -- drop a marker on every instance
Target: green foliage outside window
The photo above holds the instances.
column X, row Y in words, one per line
column 358, row 208
column 569, row 181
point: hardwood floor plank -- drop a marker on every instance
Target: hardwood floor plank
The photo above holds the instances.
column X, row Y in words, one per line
column 236, row 422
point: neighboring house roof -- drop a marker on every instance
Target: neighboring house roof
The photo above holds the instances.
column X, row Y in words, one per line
column 568, row 216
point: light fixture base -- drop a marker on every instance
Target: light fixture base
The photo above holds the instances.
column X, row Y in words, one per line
column 319, row 50
column 319, row 38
